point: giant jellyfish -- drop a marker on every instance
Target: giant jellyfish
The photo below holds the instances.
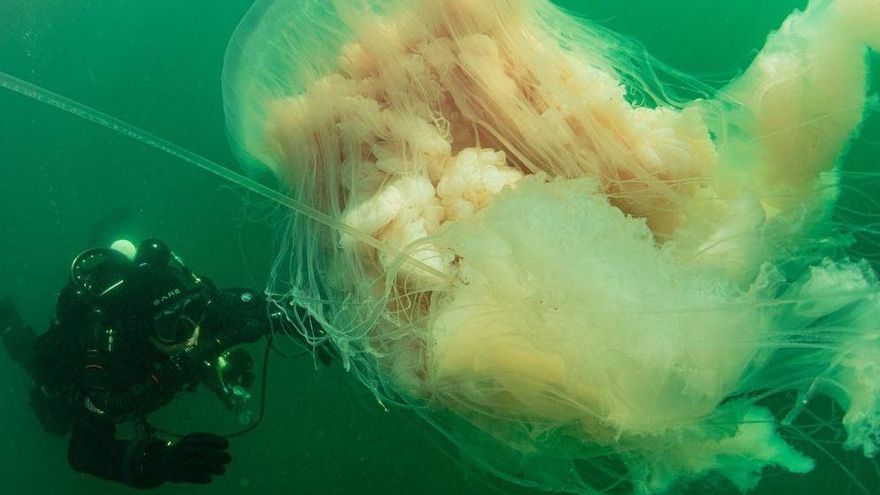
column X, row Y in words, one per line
column 591, row 272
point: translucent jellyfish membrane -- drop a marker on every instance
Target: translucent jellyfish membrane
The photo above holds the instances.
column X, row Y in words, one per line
column 587, row 283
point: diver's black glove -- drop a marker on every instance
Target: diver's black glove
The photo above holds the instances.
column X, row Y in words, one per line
column 194, row 458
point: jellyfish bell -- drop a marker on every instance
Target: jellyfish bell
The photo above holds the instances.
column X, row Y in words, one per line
column 557, row 262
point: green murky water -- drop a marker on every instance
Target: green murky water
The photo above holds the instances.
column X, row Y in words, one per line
column 65, row 183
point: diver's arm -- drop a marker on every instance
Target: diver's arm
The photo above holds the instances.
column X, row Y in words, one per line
column 240, row 316
column 94, row 449
column 142, row 397
column 287, row 318
column 147, row 461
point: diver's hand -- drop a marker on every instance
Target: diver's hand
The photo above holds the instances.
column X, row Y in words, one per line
column 194, row 458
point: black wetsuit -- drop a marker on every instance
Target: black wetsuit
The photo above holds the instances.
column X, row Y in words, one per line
column 147, row 379
column 93, row 370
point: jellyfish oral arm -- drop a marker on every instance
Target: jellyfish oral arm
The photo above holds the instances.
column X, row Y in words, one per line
column 804, row 96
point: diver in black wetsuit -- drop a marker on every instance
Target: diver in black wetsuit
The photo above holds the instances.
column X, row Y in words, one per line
column 129, row 334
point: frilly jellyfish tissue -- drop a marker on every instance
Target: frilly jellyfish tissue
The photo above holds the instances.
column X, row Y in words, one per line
column 590, row 272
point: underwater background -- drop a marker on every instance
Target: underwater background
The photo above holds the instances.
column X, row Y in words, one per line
column 66, row 184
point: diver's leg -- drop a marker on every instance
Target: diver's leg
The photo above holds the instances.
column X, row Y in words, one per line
column 804, row 95
column 19, row 339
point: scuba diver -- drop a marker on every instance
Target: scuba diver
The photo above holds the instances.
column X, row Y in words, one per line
column 132, row 329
